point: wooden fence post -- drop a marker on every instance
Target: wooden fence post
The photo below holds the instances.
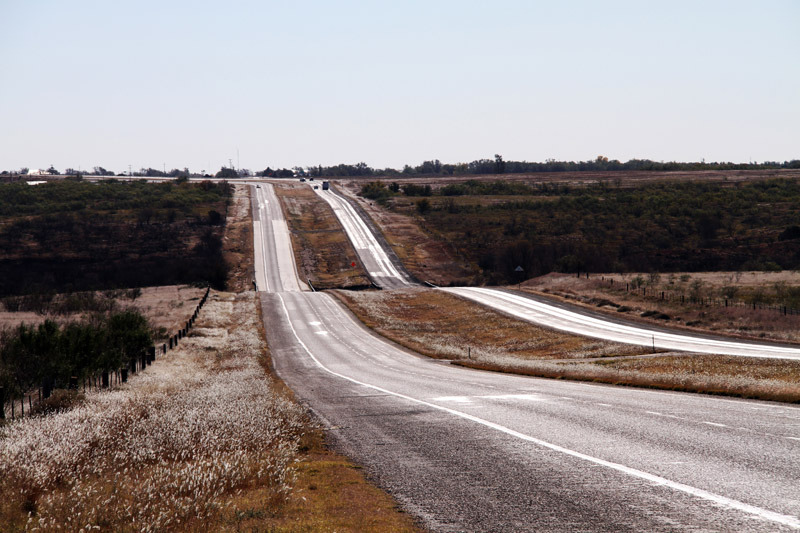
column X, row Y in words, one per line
column 2, row 403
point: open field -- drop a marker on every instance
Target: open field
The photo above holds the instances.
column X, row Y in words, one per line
column 78, row 236
column 166, row 308
column 644, row 303
column 586, row 178
column 496, row 224
column 323, row 253
column 203, row 440
column 471, row 335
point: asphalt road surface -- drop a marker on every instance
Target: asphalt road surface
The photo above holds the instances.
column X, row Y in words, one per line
column 386, row 272
column 273, row 243
column 566, row 318
column 465, row 450
column 557, row 317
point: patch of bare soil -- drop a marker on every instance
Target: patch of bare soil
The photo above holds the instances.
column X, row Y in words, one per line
column 426, row 257
column 237, row 241
column 693, row 301
column 322, row 250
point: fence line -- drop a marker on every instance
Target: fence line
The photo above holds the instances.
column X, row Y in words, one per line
column 101, row 380
column 675, row 296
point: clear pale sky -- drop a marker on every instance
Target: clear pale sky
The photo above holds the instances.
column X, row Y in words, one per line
column 187, row 83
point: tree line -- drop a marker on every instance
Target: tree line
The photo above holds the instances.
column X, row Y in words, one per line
column 434, row 167
column 669, row 226
column 52, row 354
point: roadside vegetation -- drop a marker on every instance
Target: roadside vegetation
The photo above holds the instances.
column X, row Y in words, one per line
column 323, row 252
column 756, row 305
column 444, row 326
column 67, row 236
column 203, row 440
column 54, row 354
column 498, row 226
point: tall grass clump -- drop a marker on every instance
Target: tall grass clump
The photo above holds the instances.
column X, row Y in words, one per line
column 163, row 451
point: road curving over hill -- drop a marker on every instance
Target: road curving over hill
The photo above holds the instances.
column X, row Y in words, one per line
column 465, row 450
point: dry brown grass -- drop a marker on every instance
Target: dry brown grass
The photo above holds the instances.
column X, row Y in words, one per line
column 735, row 321
column 440, row 325
column 701, row 373
column 238, row 240
column 330, row 494
column 201, row 441
column 322, row 251
column 167, row 307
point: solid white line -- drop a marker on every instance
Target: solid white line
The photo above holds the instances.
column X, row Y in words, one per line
column 786, row 520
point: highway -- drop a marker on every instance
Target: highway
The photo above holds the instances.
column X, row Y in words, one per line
column 464, row 450
column 375, row 254
column 565, row 318
column 582, row 323
column 272, row 232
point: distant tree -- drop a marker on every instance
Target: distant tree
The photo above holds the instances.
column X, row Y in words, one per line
column 499, row 164
column 226, row 173
column 100, row 171
column 214, row 217
column 52, row 170
column 423, row 206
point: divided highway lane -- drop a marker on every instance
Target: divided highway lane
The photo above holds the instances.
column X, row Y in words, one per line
column 475, row 451
column 383, row 270
column 550, row 314
column 553, row 316
column 274, row 258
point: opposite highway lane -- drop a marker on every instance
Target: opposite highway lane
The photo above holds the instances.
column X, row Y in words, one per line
column 579, row 323
column 382, row 269
column 472, row 451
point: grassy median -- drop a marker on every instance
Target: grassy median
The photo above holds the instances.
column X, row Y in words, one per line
column 445, row 326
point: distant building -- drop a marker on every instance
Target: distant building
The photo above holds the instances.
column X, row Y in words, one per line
column 37, row 172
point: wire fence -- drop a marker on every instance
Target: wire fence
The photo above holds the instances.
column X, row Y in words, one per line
column 699, row 300
column 17, row 406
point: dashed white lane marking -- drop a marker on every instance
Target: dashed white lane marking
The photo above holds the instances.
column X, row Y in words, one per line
column 786, row 520
column 321, row 332
column 315, row 323
column 715, row 424
column 524, row 397
column 455, row 399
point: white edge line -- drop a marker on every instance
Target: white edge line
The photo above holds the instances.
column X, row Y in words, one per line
column 787, row 520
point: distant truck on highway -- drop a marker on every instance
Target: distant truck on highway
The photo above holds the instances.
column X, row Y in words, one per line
column 326, row 185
